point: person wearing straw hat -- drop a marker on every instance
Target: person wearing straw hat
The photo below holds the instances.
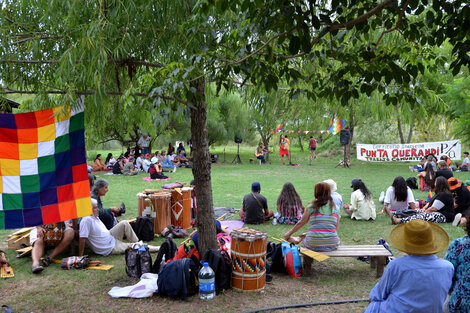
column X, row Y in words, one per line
column 461, row 201
column 458, row 254
column 419, row 281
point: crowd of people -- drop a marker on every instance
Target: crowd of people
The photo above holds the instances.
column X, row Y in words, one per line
column 131, row 163
column 418, row 282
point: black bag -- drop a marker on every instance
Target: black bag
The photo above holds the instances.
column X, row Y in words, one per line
column 274, row 258
column 222, row 268
column 117, row 168
column 138, row 262
column 412, row 182
column 178, row 278
column 404, row 213
column 144, row 228
column 168, row 250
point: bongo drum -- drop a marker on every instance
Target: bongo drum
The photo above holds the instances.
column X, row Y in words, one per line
column 248, row 251
column 181, row 207
column 159, row 203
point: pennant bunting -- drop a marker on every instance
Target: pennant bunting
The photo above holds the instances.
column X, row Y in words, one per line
column 43, row 170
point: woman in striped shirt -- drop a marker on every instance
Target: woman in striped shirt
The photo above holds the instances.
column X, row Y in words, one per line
column 323, row 218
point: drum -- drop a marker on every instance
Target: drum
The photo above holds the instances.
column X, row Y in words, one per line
column 158, row 202
column 181, row 207
column 248, row 252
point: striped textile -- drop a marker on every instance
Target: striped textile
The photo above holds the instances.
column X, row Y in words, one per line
column 322, row 235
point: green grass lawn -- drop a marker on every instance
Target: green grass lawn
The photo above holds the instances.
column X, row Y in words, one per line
column 335, row 279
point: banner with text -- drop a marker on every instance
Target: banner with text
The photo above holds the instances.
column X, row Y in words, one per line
column 409, row 151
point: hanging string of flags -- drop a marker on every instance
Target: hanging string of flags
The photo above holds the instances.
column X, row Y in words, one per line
column 336, row 124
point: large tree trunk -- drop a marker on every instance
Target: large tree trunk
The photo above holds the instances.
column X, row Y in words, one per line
column 202, row 170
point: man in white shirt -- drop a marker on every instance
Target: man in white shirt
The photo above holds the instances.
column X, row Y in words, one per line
column 465, row 162
column 103, row 241
column 146, row 163
column 143, row 143
column 139, row 162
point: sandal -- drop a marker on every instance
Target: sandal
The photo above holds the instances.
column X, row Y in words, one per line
column 46, row 261
column 36, row 269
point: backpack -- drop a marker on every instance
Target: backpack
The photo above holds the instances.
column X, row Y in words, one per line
column 292, row 259
column 222, row 268
column 167, row 251
column 138, row 262
column 412, row 182
column 117, row 168
column 187, row 251
column 274, row 258
column 178, row 278
column 144, row 228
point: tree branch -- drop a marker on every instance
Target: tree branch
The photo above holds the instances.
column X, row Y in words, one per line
column 118, row 62
column 400, row 18
column 88, row 93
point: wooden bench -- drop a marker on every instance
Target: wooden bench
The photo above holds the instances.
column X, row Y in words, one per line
column 377, row 253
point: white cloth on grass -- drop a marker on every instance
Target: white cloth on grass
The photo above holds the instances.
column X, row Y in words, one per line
column 146, row 287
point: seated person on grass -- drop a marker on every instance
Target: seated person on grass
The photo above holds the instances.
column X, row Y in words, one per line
column 461, row 196
column 146, row 163
column 255, row 207
column 58, row 235
column 465, row 163
column 103, row 241
column 362, row 205
column 398, row 197
column 337, row 198
column 439, row 210
column 110, row 160
column 118, row 166
column 289, row 206
column 129, row 168
column 98, row 164
column 139, row 162
column 427, row 178
column 444, row 170
column 181, row 149
column 155, row 170
column 107, row 216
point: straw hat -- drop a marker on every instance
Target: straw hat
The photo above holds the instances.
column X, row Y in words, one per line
column 419, row 237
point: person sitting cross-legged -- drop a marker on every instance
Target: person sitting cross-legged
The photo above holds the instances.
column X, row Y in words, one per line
column 129, row 168
column 419, row 281
column 362, row 205
column 255, row 207
column 103, row 241
column 58, row 235
column 439, row 210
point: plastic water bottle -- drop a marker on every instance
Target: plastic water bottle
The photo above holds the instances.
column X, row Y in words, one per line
column 206, row 282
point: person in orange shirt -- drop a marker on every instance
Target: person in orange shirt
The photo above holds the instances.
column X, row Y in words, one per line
column 98, row 164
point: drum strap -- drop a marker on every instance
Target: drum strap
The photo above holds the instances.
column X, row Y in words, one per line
column 257, row 200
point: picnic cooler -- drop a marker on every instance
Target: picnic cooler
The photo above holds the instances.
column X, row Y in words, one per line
column 248, row 251
column 157, row 201
column 181, row 207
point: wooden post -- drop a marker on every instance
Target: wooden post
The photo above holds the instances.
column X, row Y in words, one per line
column 381, row 265
column 307, row 264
